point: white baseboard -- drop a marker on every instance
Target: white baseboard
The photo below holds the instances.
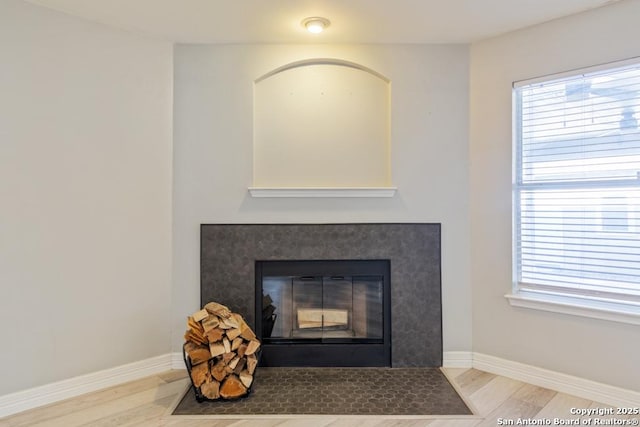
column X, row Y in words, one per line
column 177, row 361
column 60, row 390
column 457, row 359
column 586, row 389
column 54, row 392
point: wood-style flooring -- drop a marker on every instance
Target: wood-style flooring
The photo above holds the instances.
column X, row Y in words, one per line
column 494, row 399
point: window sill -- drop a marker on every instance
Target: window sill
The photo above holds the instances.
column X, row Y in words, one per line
column 576, row 306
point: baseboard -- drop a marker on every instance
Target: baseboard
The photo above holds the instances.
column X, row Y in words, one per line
column 586, row 389
column 177, row 361
column 54, row 392
column 60, row 390
column 457, row 359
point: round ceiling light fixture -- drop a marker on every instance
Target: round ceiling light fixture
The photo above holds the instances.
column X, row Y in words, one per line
column 315, row 24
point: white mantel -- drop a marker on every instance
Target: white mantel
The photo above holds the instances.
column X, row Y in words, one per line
column 322, row 191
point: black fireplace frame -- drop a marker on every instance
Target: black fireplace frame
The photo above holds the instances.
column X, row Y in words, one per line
column 326, row 352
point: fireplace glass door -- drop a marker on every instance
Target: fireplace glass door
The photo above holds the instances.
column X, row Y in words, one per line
column 324, row 312
column 322, row 307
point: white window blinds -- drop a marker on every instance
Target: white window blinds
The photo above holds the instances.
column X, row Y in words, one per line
column 577, row 185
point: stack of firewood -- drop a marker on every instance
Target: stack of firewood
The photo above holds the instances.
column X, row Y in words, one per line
column 221, row 349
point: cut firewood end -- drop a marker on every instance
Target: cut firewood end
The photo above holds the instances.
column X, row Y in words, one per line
column 252, row 347
column 236, row 343
column 232, row 388
column 218, row 371
column 211, row 390
column 198, row 354
column 200, row 374
column 210, row 323
column 214, row 335
column 234, row 362
column 224, row 340
column 216, row 349
column 246, row 378
column 233, row 333
column 252, row 362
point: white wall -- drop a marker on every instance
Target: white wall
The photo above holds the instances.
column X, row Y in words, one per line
column 429, row 149
column 85, row 194
column 598, row 350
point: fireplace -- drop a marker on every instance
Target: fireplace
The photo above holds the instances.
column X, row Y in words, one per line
column 324, row 312
column 229, row 253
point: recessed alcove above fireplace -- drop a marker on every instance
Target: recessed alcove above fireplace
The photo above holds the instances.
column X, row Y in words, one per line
column 321, row 128
column 228, row 273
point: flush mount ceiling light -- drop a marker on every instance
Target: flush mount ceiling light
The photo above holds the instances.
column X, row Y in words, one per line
column 315, row 24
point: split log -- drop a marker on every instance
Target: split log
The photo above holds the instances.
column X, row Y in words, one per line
column 229, row 323
column 218, row 309
column 214, row 335
column 240, row 366
column 233, row 333
column 195, row 339
column 199, row 316
column 232, row 388
column 248, row 334
column 211, row 390
column 194, row 325
column 318, row 318
column 216, row 349
column 210, row 322
column 242, row 349
column 195, row 333
column 236, row 343
column 246, row 331
column 234, row 362
column 252, row 347
column 246, row 378
column 252, row 362
column 219, row 371
column 200, row 374
column 197, row 354
column 227, row 357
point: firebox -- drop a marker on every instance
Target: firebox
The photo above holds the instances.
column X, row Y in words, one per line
column 324, row 312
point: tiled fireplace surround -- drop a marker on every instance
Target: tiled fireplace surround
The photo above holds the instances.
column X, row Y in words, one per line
column 229, row 253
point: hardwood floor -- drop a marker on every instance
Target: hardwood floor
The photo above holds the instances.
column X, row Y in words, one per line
column 494, row 399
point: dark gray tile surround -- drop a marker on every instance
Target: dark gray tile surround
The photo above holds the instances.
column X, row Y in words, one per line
column 229, row 252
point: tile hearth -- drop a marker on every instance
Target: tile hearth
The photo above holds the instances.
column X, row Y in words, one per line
column 339, row 391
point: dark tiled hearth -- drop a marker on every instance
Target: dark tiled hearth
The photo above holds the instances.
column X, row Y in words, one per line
column 339, row 391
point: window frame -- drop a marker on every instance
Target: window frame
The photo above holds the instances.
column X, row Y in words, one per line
column 539, row 297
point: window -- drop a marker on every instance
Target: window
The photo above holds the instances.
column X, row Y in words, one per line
column 577, row 192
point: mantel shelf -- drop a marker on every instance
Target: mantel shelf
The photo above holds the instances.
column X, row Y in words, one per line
column 322, row 191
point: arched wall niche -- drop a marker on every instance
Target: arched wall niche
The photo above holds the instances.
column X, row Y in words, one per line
column 321, row 123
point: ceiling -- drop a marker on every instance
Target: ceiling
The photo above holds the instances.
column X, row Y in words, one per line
column 352, row 21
